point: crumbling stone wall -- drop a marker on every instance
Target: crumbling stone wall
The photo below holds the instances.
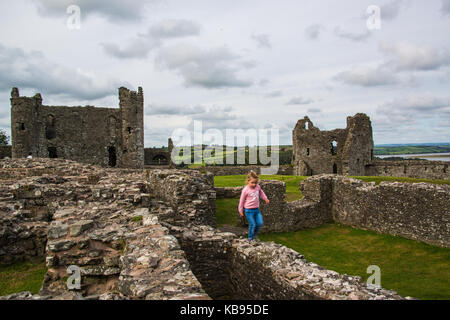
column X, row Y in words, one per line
column 314, row 153
column 189, row 194
column 101, row 136
column 286, row 170
column 422, row 169
column 159, row 156
column 100, row 220
column 418, row 211
column 231, row 268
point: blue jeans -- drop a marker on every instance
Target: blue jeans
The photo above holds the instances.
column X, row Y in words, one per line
column 255, row 221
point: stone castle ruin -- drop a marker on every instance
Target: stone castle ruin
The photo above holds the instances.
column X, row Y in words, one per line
column 102, row 136
column 349, row 151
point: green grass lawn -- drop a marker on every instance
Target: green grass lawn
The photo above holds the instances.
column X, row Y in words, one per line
column 24, row 276
column 409, row 267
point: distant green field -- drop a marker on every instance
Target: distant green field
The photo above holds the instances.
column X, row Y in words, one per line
column 397, row 150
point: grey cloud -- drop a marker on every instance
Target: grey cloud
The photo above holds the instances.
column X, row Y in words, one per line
column 140, row 47
column 113, row 10
column 408, row 56
column 299, row 101
column 367, row 76
column 445, row 9
column 206, row 68
column 403, row 114
column 313, row 31
column 391, row 10
column 274, row 94
column 32, row 70
column 426, row 105
column 357, row 37
column 314, row 110
column 173, row 110
column 262, row 40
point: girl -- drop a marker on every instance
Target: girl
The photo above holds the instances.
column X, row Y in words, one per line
column 249, row 204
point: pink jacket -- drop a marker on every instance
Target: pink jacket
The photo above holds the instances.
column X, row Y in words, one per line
column 250, row 197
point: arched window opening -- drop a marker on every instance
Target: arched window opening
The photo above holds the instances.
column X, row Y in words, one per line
column 334, row 146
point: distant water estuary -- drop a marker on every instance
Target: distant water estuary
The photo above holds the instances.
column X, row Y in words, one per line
column 425, row 156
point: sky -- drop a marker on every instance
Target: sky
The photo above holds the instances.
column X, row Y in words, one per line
column 237, row 64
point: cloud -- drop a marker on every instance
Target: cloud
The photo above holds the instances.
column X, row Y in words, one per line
column 173, row 110
column 207, row 68
column 274, row 94
column 408, row 56
column 398, row 59
column 262, row 40
column 391, row 10
column 140, row 47
column 299, row 101
column 113, row 10
column 313, row 31
column 367, row 76
column 33, row 71
column 406, row 113
column 445, row 9
column 426, row 105
column 314, row 110
column 357, row 37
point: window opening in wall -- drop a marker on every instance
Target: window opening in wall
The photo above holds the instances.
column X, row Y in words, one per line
column 306, row 125
column 21, row 126
column 371, row 154
column 335, row 171
column 334, row 147
column 129, row 129
column 307, row 151
column 112, row 156
column 52, row 152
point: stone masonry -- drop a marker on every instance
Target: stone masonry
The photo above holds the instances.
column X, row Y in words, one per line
column 111, row 137
column 340, row 151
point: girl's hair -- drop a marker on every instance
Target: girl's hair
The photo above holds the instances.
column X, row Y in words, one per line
column 252, row 175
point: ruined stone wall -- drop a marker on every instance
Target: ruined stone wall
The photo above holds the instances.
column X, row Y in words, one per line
column 5, row 152
column 242, row 170
column 100, row 136
column 422, row 169
column 101, row 220
column 313, row 151
column 418, row 211
column 231, row 268
column 189, row 194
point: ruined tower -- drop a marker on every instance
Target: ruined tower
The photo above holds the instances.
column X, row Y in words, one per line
column 132, row 112
column 111, row 137
column 25, row 123
column 340, row 151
